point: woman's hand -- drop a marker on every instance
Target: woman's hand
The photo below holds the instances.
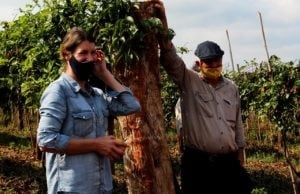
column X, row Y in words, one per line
column 101, row 71
column 100, row 64
column 110, row 147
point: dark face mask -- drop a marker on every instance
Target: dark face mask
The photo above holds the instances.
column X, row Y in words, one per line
column 82, row 70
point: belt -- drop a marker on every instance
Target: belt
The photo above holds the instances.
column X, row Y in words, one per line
column 213, row 157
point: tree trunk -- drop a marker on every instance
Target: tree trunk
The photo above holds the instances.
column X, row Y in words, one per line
column 147, row 161
column 20, row 113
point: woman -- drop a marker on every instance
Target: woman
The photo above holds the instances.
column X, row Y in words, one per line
column 73, row 120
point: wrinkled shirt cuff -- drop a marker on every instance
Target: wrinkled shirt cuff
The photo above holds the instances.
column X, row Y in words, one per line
column 115, row 93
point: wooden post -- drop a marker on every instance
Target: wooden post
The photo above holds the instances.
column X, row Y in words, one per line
column 265, row 42
column 230, row 51
column 295, row 180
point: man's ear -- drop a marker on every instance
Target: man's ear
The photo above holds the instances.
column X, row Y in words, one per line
column 196, row 66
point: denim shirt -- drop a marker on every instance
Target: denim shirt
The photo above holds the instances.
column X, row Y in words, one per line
column 68, row 112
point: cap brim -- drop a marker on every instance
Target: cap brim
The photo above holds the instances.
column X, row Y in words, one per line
column 211, row 57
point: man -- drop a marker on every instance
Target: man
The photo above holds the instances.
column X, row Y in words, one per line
column 214, row 142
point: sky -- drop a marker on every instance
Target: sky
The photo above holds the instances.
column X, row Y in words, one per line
column 195, row 21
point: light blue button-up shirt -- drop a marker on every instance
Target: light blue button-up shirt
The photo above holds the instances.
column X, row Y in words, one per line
column 66, row 112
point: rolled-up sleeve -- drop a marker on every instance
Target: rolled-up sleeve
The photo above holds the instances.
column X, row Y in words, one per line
column 122, row 103
column 52, row 115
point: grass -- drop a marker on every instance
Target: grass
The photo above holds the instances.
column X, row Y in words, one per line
column 21, row 172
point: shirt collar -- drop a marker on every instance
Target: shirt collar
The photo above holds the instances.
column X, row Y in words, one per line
column 223, row 81
column 76, row 87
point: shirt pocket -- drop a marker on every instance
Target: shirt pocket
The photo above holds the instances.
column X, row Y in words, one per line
column 83, row 123
column 230, row 112
column 204, row 103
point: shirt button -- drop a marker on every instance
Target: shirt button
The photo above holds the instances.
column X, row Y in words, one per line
column 222, row 132
column 219, row 118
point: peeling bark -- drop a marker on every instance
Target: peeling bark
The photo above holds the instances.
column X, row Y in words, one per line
column 147, row 160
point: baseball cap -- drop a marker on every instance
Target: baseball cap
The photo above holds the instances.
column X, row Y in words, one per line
column 208, row 50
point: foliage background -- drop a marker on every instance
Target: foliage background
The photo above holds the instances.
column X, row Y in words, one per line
column 29, row 61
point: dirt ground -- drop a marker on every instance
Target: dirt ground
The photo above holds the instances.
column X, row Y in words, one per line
column 20, row 173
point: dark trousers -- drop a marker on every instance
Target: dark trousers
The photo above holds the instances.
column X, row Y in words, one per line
column 203, row 173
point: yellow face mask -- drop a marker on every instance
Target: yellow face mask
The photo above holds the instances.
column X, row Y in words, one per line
column 211, row 73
